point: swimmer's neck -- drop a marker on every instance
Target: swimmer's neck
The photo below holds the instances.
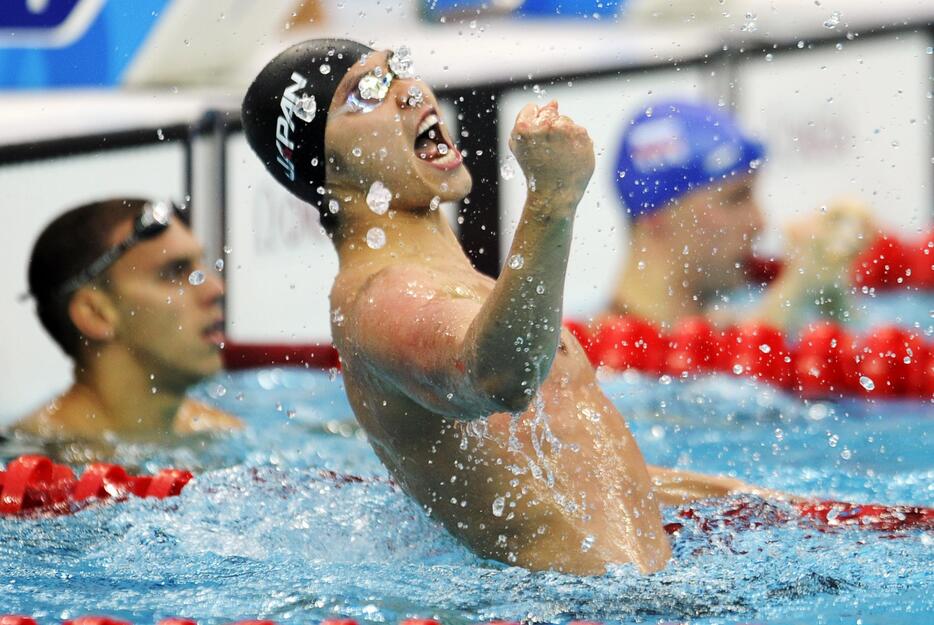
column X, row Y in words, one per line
column 118, row 389
column 421, row 236
column 655, row 285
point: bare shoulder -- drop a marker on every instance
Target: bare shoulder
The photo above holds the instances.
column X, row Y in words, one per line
column 195, row 416
column 33, row 424
column 58, row 418
column 405, row 315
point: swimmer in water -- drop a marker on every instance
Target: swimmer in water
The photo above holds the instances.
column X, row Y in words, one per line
column 110, row 281
column 687, row 176
column 483, row 409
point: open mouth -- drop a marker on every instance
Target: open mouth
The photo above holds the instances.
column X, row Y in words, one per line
column 431, row 145
column 214, row 333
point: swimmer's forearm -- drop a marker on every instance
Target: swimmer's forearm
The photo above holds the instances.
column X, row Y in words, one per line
column 675, row 487
column 515, row 335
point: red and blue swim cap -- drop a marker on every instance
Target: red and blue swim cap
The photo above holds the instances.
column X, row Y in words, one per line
column 671, row 148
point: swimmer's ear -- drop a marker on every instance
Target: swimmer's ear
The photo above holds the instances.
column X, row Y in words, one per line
column 93, row 314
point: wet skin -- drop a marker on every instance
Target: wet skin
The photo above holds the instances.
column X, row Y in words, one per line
column 146, row 327
column 434, row 356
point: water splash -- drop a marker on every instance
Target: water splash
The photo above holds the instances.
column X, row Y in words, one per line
column 375, row 238
column 378, row 198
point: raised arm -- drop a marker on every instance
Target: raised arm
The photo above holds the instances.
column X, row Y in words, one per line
column 467, row 358
column 514, row 338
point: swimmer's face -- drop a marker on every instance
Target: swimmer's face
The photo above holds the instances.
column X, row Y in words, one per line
column 172, row 328
column 718, row 224
column 394, row 140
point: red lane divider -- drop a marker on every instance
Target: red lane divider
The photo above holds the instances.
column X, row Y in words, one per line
column 745, row 514
column 247, row 356
column 36, row 485
column 868, row 516
column 13, row 619
column 889, row 262
column 96, row 620
column 824, row 361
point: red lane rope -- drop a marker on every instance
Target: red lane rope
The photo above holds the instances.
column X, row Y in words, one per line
column 34, row 485
column 890, row 262
column 887, row 263
column 743, row 514
column 824, row 361
column 248, row 356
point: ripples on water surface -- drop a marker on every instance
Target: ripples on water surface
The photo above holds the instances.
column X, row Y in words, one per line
column 268, row 530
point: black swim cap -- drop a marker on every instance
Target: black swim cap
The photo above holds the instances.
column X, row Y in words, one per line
column 285, row 111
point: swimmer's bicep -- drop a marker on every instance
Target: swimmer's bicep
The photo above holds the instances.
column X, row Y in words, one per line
column 409, row 332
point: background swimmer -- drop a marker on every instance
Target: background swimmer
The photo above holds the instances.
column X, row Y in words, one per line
column 481, row 407
column 686, row 175
column 121, row 287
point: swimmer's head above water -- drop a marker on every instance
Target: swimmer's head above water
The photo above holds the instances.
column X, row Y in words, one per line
column 331, row 117
column 120, row 285
column 116, row 272
column 686, row 175
column 672, row 148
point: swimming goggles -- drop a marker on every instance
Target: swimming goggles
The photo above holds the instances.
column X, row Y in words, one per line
column 373, row 87
column 153, row 221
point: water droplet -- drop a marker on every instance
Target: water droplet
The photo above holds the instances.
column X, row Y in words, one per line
column 833, row 21
column 357, row 152
column 337, row 317
column 750, row 25
column 866, row 383
column 498, row 505
column 641, row 265
column 227, row 249
column 765, row 349
column 442, row 148
column 516, row 261
column 540, row 289
column 416, row 97
column 219, row 264
column 507, row 172
column 435, row 203
column 588, row 542
column 738, row 369
column 378, row 198
column 325, row 69
column 665, row 379
column 196, row 278
column 218, row 391
column 333, row 206
column 375, row 238
column 401, row 64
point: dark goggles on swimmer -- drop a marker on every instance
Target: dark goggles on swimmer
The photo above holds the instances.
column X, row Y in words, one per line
column 152, row 222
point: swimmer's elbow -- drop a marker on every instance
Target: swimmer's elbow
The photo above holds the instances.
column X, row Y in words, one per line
column 505, row 394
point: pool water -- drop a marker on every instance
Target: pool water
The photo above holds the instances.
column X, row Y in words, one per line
column 273, row 527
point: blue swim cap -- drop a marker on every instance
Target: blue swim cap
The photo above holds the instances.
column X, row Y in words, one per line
column 672, row 148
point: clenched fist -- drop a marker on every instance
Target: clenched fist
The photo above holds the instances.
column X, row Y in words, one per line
column 555, row 154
